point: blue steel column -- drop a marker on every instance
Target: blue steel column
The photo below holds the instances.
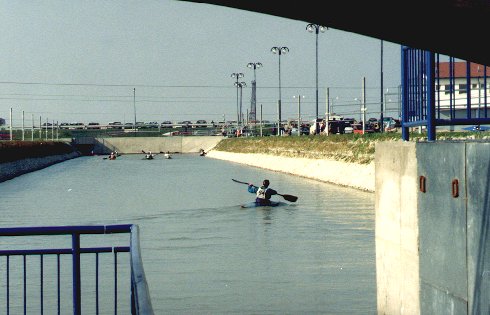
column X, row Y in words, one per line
column 404, row 59
column 430, row 91
column 75, row 247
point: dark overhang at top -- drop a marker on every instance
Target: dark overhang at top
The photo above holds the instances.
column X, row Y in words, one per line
column 457, row 28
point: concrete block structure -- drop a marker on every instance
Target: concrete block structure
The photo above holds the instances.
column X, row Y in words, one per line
column 432, row 227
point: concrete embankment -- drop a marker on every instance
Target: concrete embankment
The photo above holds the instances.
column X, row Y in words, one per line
column 359, row 176
column 13, row 169
column 172, row 144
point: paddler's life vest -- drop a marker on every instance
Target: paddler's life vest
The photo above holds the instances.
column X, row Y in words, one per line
column 261, row 192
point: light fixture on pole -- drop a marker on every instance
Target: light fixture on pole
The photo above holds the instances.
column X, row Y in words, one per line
column 237, row 76
column 240, row 85
column 299, row 97
column 253, row 105
column 316, row 28
column 279, row 51
column 134, row 107
column 362, row 113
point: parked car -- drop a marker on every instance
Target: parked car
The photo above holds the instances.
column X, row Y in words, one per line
column 140, row 125
column 358, row 128
column 77, row 125
column 64, row 125
column 348, row 129
column 151, row 124
column 115, row 125
column 201, row 123
column 166, row 124
column 184, row 124
column 93, row 125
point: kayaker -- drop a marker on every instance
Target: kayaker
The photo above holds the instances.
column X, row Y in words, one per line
column 112, row 156
column 263, row 193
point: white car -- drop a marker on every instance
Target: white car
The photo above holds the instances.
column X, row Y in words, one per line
column 348, row 129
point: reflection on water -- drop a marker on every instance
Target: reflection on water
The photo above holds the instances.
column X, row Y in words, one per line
column 201, row 251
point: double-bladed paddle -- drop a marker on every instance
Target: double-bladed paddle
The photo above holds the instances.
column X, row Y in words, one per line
column 290, row 198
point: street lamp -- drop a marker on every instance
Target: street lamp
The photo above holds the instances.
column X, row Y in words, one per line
column 316, row 28
column 240, row 85
column 299, row 112
column 279, row 51
column 237, row 76
column 362, row 113
column 254, row 66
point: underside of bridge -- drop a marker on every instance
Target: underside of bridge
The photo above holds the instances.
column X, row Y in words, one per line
column 457, row 28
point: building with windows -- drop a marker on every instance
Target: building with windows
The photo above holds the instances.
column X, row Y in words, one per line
column 457, row 92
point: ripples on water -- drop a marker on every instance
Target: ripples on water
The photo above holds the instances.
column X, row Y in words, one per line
column 204, row 254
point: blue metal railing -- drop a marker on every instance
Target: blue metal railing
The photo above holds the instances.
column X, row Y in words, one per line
column 422, row 104
column 140, row 298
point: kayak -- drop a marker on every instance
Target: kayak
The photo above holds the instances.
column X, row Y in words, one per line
column 255, row 205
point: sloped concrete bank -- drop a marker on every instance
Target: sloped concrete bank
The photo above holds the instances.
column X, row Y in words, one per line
column 359, row 176
column 13, row 169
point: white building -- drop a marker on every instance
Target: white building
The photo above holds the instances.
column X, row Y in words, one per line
column 455, row 96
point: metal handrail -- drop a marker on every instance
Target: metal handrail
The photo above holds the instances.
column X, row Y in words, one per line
column 140, row 297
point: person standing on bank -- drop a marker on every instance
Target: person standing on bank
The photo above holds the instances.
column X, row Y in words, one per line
column 263, row 193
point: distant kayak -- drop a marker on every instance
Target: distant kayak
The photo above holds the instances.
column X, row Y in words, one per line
column 253, row 204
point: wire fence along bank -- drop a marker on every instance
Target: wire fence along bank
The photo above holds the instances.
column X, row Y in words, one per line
column 41, row 280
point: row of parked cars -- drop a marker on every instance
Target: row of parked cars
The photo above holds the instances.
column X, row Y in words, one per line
column 129, row 125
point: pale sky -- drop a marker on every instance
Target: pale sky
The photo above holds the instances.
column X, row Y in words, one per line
column 79, row 61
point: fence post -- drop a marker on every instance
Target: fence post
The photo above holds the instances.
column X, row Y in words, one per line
column 76, row 273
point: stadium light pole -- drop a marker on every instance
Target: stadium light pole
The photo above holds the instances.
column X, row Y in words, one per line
column 299, row 97
column 279, row 51
column 254, row 66
column 240, row 85
column 317, row 29
column 237, row 76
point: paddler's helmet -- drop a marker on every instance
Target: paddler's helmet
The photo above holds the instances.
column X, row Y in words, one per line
column 265, row 183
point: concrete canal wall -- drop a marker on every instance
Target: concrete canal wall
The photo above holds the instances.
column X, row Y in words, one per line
column 174, row 144
column 432, row 228
column 359, row 176
column 13, row 169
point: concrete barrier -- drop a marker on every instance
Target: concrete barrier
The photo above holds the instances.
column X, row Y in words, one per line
column 432, row 227
column 173, row 144
column 13, row 169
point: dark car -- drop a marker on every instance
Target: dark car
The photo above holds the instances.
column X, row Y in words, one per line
column 93, row 125
column 201, row 123
column 166, row 124
column 184, row 124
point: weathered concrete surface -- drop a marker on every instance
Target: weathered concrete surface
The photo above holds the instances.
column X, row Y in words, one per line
column 396, row 229
column 353, row 175
column 156, row 144
column 10, row 170
column 432, row 239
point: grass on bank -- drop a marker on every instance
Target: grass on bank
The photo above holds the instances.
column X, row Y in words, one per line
column 352, row 148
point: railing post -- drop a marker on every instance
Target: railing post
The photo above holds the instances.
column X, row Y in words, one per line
column 430, row 95
column 76, row 274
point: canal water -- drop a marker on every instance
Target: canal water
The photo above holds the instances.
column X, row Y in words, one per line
column 202, row 252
